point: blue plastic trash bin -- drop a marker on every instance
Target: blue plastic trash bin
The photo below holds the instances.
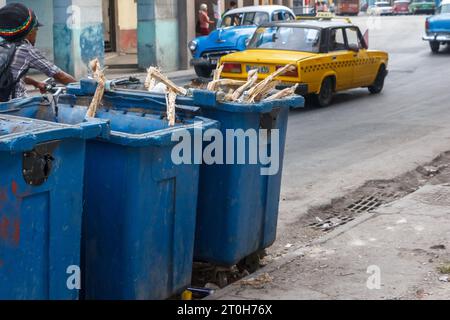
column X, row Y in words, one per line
column 41, row 193
column 238, row 206
column 237, row 209
column 140, row 207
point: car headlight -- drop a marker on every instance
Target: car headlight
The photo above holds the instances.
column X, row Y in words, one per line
column 193, row 45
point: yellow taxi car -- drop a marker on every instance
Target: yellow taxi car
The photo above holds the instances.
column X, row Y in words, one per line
column 329, row 56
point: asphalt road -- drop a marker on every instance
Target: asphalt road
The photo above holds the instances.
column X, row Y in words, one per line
column 363, row 137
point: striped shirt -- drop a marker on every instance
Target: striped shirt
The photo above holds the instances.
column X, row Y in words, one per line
column 28, row 57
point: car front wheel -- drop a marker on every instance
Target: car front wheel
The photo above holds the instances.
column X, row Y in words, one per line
column 203, row 72
column 378, row 85
column 434, row 45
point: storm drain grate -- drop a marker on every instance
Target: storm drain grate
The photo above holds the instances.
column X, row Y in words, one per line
column 366, row 204
column 363, row 205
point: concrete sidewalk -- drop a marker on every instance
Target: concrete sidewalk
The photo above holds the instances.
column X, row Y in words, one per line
column 399, row 247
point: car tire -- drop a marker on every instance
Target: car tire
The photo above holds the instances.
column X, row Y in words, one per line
column 323, row 99
column 434, row 45
column 378, row 85
column 203, row 72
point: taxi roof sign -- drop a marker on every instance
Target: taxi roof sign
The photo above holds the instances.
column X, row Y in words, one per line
column 324, row 16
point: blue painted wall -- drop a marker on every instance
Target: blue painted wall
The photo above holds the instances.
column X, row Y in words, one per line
column 158, row 34
column 44, row 12
column 78, row 34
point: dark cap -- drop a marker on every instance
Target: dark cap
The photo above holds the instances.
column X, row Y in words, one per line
column 16, row 21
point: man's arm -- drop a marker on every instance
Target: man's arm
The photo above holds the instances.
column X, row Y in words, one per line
column 35, row 83
column 61, row 77
column 39, row 62
column 64, row 78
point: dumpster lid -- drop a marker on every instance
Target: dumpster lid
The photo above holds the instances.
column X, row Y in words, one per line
column 23, row 134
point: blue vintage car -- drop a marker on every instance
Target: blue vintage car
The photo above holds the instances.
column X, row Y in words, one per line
column 232, row 34
column 438, row 27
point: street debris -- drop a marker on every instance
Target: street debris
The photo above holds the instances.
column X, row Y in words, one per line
column 431, row 170
column 257, row 282
column 99, row 76
column 445, row 268
column 444, row 279
column 438, row 247
column 330, row 223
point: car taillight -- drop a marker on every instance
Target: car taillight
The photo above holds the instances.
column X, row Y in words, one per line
column 232, row 68
column 293, row 72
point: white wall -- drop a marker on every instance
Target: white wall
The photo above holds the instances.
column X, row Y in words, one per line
column 127, row 14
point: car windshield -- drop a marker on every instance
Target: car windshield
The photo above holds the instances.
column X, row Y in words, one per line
column 244, row 19
column 286, row 38
column 445, row 8
column 384, row 4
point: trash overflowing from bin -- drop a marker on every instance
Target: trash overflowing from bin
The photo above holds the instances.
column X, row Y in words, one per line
column 228, row 90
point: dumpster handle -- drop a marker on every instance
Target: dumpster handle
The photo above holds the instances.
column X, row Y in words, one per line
column 138, row 99
column 9, row 110
column 193, row 110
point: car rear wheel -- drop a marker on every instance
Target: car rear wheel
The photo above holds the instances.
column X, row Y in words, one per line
column 203, row 72
column 323, row 99
column 378, row 85
column 434, row 45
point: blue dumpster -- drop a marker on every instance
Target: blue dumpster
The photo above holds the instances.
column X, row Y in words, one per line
column 237, row 209
column 140, row 207
column 41, row 189
column 238, row 205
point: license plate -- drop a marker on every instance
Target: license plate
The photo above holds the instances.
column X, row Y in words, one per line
column 261, row 69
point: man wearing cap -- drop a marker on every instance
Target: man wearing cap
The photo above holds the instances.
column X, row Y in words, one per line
column 18, row 27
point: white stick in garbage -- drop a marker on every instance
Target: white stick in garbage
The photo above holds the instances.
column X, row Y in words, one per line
column 171, row 97
column 265, row 86
column 98, row 96
column 156, row 74
column 150, row 81
column 266, row 90
column 217, row 73
column 283, row 93
column 252, row 78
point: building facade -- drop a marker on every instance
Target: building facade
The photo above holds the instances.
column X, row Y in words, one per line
column 158, row 31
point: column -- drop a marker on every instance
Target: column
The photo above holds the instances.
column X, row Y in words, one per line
column 186, row 30
column 158, row 43
column 78, row 34
column 240, row 3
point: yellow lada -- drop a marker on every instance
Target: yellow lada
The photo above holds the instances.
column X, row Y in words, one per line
column 329, row 56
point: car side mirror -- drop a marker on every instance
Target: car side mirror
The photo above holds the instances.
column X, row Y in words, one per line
column 353, row 47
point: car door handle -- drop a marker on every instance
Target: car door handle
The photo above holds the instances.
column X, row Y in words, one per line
column 334, row 58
